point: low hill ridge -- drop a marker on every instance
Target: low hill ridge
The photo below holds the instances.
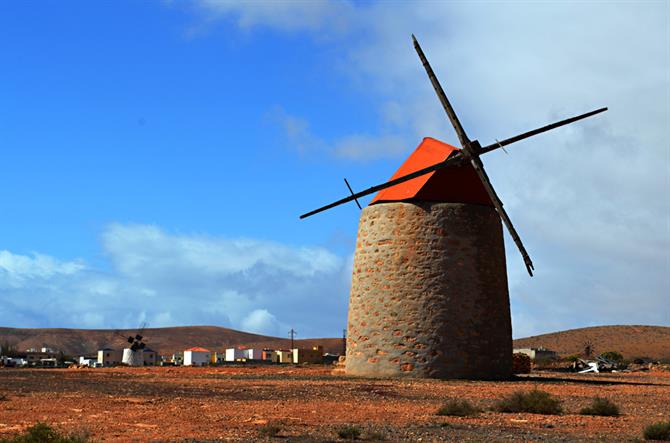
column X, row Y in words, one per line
column 629, row 340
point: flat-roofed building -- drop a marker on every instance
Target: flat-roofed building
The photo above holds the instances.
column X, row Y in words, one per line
column 109, row 357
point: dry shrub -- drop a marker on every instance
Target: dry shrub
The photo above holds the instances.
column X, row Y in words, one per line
column 657, row 431
column 43, row 433
column 601, row 406
column 269, row 430
column 535, row 402
column 349, row 432
column 458, row 408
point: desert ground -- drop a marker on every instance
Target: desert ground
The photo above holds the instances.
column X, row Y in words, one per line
column 308, row 403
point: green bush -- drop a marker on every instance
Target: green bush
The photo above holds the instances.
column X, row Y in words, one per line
column 657, row 431
column 43, row 433
column 601, row 406
column 458, row 408
column 349, row 432
column 535, row 401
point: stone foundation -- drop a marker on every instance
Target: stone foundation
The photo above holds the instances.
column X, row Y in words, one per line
column 429, row 293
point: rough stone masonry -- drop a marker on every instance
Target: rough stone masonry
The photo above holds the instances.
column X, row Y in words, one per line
column 429, row 293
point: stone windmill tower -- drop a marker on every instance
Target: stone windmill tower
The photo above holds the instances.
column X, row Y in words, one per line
column 429, row 291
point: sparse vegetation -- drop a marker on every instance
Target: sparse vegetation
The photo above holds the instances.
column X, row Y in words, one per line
column 458, row 408
column 612, row 356
column 601, row 406
column 349, row 432
column 43, row 433
column 535, row 402
column 657, row 431
column 270, row 430
column 375, row 436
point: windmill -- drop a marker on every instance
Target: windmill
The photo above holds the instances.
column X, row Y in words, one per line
column 429, row 293
column 133, row 354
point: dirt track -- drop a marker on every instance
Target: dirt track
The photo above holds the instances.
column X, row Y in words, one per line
column 233, row 403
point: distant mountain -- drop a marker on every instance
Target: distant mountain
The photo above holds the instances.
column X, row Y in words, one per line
column 163, row 340
column 631, row 341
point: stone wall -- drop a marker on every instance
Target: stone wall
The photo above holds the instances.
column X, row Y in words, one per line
column 429, row 293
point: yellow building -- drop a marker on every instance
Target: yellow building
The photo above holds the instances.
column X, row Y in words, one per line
column 282, row 356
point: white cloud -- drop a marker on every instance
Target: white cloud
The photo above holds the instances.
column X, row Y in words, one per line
column 356, row 147
column 15, row 269
column 261, row 321
column 312, row 15
column 172, row 279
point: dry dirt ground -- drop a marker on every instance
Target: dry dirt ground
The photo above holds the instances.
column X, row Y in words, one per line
column 309, row 404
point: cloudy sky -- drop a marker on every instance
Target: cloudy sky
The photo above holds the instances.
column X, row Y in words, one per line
column 156, row 155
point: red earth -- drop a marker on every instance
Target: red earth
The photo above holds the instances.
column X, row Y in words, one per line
column 308, row 403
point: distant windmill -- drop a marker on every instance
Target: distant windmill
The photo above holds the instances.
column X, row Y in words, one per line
column 133, row 355
column 429, row 293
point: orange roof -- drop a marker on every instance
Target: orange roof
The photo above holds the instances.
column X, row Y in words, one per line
column 454, row 184
column 197, row 349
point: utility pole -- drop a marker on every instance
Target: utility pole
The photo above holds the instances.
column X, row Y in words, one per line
column 291, row 334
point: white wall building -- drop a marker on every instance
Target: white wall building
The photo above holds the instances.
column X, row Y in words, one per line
column 235, row 354
column 197, row 357
column 253, row 354
column 88, row 361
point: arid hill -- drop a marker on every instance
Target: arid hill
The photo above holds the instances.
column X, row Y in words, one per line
column 164, row 340
column 631, row 341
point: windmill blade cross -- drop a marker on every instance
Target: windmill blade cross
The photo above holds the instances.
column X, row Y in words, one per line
column 472, row 151
column 454, row 159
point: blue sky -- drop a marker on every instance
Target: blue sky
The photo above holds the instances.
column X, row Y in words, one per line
column 156, row 155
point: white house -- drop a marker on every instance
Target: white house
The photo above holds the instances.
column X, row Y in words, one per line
column 197, row 357
column 253, row 354
column 235, row 354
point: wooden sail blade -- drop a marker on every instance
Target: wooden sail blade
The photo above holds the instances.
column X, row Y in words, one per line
column 352, row 193
column 497, row 203
column 537, row 131
column 460, row 132
column 455, row 158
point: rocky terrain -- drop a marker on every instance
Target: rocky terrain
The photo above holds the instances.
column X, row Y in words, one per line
column 309, row 404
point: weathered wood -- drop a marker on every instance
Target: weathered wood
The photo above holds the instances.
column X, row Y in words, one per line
column 516, row 138
column 498, row 205
column 471, row 151
column 352, row 193
column 460, row 132
column 455, row 158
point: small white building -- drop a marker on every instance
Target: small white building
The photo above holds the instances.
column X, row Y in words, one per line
column 536, row 353
column 197, row 357
column 235, row 354
column 88, row 361
column 109, row 357
column 253, row 354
